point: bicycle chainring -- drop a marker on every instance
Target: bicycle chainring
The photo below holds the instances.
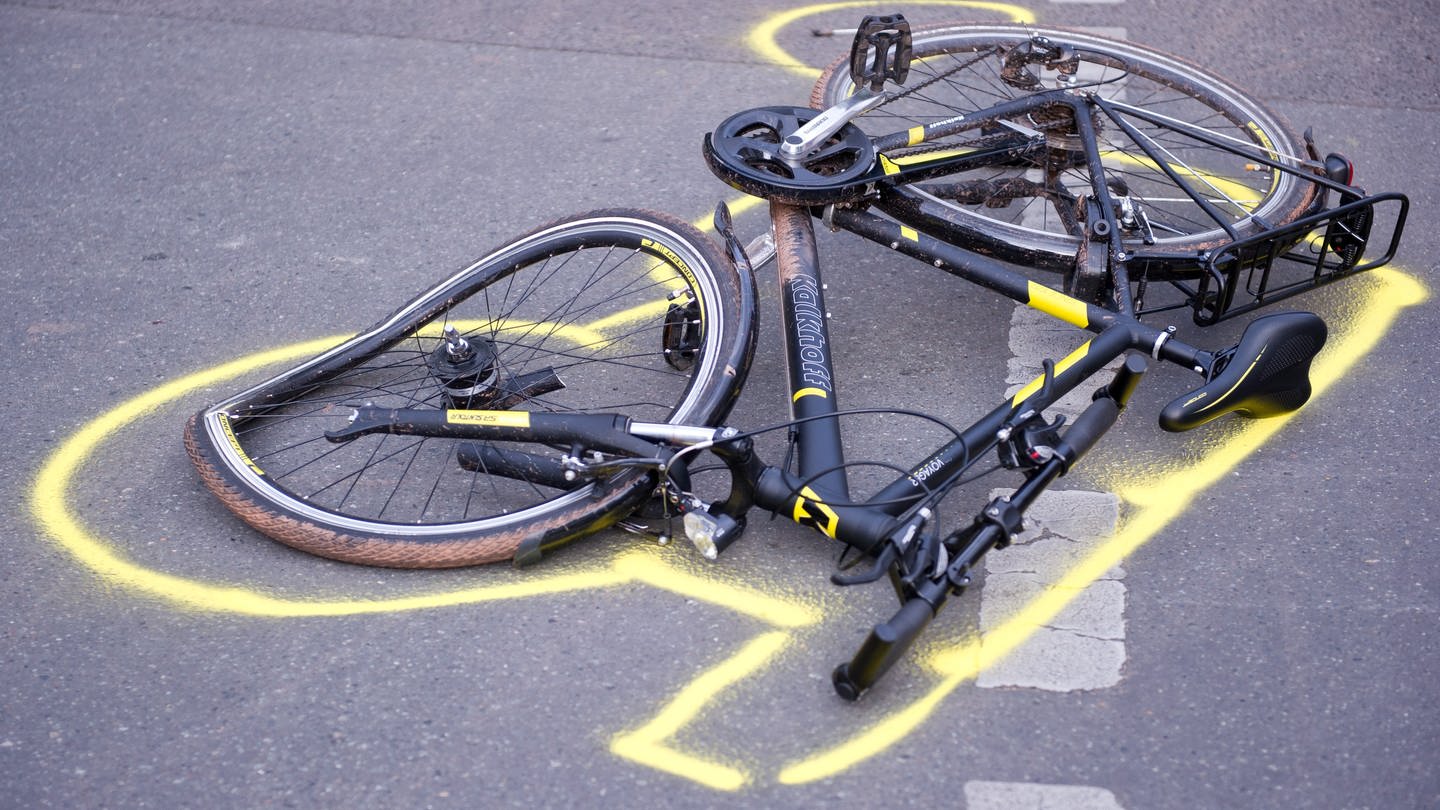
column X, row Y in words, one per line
column 744, row 151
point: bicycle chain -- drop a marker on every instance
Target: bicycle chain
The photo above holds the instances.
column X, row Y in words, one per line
column 1061, row 122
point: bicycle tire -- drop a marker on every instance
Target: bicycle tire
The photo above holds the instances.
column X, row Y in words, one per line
column 585, row 302
column 1029, row 234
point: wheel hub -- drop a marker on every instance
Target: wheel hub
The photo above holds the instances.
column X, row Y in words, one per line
column 465, row 368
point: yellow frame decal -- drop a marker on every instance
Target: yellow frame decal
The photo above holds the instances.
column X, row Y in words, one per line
column 811, row 511
column 511, row 419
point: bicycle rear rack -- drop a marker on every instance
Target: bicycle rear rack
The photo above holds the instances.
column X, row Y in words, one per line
column 1275, row 264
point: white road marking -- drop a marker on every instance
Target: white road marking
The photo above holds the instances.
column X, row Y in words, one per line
column 1023, row 796
column 1084, row 648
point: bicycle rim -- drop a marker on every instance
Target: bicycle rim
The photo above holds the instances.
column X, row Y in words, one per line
column 623, row 312
column 1015, row 210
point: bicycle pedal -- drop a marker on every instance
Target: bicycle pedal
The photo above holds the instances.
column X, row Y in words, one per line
column 881, row 51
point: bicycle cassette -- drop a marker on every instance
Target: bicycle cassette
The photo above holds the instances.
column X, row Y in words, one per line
column 744, row 151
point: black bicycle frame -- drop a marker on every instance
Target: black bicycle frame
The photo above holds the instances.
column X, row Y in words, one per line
column 818, row 494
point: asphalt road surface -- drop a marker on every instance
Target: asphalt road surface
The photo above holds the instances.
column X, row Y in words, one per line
column 189, row 189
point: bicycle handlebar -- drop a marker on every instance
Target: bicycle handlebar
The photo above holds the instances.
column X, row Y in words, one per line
column 888, row 642
column 883, row 647
column 1100, row 416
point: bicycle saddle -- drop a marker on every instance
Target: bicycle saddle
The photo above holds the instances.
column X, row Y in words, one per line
column 1266, row 374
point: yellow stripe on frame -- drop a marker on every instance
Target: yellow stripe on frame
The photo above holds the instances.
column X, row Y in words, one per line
column 1059, row 305
column 917, row 135
column 809, row 392
column 1060, row 368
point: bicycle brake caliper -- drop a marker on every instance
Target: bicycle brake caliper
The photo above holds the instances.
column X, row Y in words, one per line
column 681, row 334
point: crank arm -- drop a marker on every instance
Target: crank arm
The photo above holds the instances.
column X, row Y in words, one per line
column 799, row 144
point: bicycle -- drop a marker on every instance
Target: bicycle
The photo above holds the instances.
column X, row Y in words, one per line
column 567, row 382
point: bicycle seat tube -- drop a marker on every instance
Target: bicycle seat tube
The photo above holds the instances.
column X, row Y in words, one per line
column 807, row 351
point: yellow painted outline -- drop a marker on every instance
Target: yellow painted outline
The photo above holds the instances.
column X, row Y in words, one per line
column 1155, row 504
column 647, row 744
column 49, row 507
column 1158, row 503
column 762, row 37
column 1232, row 189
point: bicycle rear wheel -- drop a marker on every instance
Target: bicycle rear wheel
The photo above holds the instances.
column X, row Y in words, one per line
column 1018, row 211
column 618, row 311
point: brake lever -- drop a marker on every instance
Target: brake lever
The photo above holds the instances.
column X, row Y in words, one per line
column 878, row 569
column 897, row 543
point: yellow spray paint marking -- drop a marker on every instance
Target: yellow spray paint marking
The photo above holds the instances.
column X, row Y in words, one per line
column 1158, row 502
column 49, row 506
column 647, row 744
column 762, row 38
column 1245, row 197
column 589, row 336
column 1389, row 292
column 635, row 314
column 50, row 509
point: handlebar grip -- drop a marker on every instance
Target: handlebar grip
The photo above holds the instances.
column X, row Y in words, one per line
column 882, row 648
column 1100, row 416
column 1090, row 425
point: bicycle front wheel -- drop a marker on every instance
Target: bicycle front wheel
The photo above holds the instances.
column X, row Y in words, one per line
column 618, row 311
column 1025, row 210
